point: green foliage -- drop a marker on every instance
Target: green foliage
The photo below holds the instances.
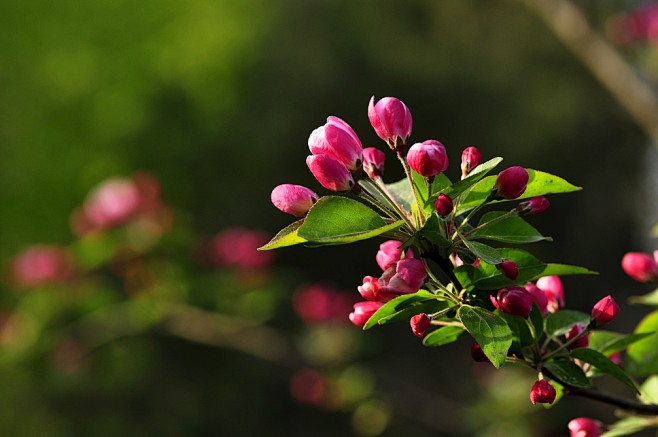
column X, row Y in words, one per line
column 490, row 331
column 642, row 357
column 561, row 322
column 403, row 307
column 442, row 336
column 567, row 372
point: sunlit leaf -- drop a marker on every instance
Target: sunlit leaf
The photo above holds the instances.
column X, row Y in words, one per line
column 442, row 336
column 603, row 364
column 490, row 331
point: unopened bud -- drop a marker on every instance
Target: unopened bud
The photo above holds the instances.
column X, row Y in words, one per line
column 509, row 269
column 428, row 158
column 443, row 205
column 542, row 392
column 604, row 311
column 585, row 427
column 513, row 300
column 511, row 183
column 373, row 162
column 583, row 341
column 293, row 199
column 391, row 120
column 640, row 266
column 471, row 158
column 419, row 324
column 534, row 205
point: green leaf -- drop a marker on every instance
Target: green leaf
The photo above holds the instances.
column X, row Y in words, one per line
column 603, row 364
column 442, row 336
column 568, row 373
column 397, row 304
column 286, row 237
column 401, row 192
column 485, row 253
column 339, row 220
column 649, row 390
column 608, row 342
column 564, row 270
column 511, row 229
column 559, row 394
column 487, row 277
column 476, row 174
column 642, row 356
column 427, row 307
column 434, row 231
column 628, row 426
column 561, row 322
column 440, row 183
column 539, row 184
column 645, row 299
column 420, row 185
column 521, row 335
column 489, row 330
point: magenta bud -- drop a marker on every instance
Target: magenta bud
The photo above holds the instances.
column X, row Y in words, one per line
column 363, row 311
column 604, row 311
column 640, row 266
column 509, row 269
column 471, row 158
column 373, row 162
column 428, row 158
column 337, row 139
column 534, row 205
column 513, row 300
column 369, row 290
column 538, row 297
column 582, row 341
column 389, row 253
column 330, row 173
column 478, row 354
column 391, row 120
column 542, row 392
column 443, row 205
column 585, row 427
column 511, row 183
column 420, row 323
column 404, row 277
column 616, row 358
column 293, row 199
column 552, row 288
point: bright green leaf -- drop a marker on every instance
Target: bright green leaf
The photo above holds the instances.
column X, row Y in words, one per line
column 490, row 331
column 286, row 237
column 393, row 306
column 434, row 231
column 642, row 357
column 511, row 229
column 561, row 322
column 603, row 364
column 614, row 344
column 628, row 426
column 649, row 390
column 339, row 220
column 645, row 299
column 568, row 373
column 401, row 192
column 476, row 174
column 564, row 270
column 442, row 336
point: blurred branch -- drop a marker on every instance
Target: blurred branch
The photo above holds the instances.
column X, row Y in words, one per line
column 631, row 91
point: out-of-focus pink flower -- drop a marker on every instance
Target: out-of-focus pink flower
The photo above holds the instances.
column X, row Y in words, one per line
column 471, row 158
column 640, row 266
column 534, row 205
column 293, row 199
column 363, row 311
column 339, row 141
column 552, row 288
column 513, row 300
column 604, row 311
column 404, row 277
column 616, row 358
column 332, row 174
column 113, row 202
column 639, row 26
column 373, row 162
column 390, row 252
column 308, row 386
column 511, row 182
column 582, row 341
column 538, row 296
column 542, row 392
column 420, row 323
column 237, row 248
column 391, row 120
column 42, row 264
column 443, row 205
column 428, row 158
column 509, row 269
column 585, row 427
column 319, row 303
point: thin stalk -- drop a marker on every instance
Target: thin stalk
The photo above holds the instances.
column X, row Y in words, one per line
column 565, row 345
column 446, row 323
column 378, row 184
column 407, row 171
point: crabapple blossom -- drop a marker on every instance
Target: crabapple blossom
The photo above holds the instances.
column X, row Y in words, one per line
column 338, row 140
column 420, row 323
column 582, row 341
column 363, row 311
column 391, row 120
column 538, row 296
column 293, row 199
column 604, row 311
column 332, row 174
column 542, row 392
column 513, row 300
column 373, row 162
column 554, row 291
column 471, row 158
column 404, row 277
column 443, row 205
column 390, row 252
column 585, row 427
column 428, row 158
column 42, row 264
column 511, row 183
column 534, row 205
column 509, row 269
column 641, row 266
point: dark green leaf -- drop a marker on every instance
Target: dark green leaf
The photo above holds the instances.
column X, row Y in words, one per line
column 568, row 373
column 427, row 307
column 561, row 322
column 393, row 306
column 339, row 220
column 286, row 237
column 645, row 299
column 642, row 357
column 511, row 229
column 434, row 231
column 440, row 183
column 489, row 330
column 603, row 364
column 521, row 335
column 444, row 335
column 485, row 253
column 564, row 270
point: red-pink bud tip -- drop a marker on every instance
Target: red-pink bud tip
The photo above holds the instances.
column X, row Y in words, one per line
column 478, row 355
column 443, row 205
column 373, row 162
column 513, row 300
column 428, row 158
column 542, row 392
column 420, row 323
column 511, row 183
column 391, row 120
column 509, row 269
column 293, row 199
column 471, row 158
column 585, row 427
column 534, row 205
column 604, row 311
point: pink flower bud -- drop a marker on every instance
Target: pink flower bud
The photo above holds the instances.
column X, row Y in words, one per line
column 552, row 288
column 293, row 199
column 511, row 183
column 509, row 269
column 616, row 358
column 443, row 205
column 478, row 354
column 330, row 173
column 534, row 205
column 337, row 139
column 389, row 253
column 391, row 120
column 42, row 264
column 428, row 158
column 604, row 311
column 543, row 392
column 471, row 158
column 404, row 277
column 640, row 266
column 585, row 427
column 369, row 290
column 538, row 297
column 419, row 324
column 582, row 341
column 373, row 162
column 363, row 311
column 112, row 203
column 513, row 300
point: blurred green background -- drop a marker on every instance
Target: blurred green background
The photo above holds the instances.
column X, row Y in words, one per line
column 217, row 98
